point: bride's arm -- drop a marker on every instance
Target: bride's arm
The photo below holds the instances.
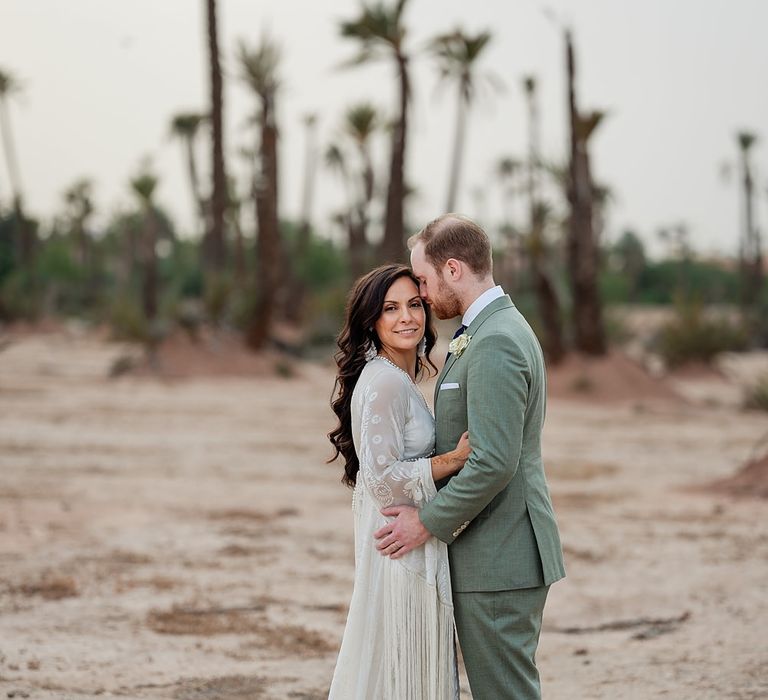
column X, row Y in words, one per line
column 392, row 479
column 450, row 463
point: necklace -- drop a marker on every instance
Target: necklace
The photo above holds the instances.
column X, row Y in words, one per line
column 410, row 379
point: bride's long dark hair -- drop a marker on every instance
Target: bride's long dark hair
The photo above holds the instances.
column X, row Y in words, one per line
column 364, row 306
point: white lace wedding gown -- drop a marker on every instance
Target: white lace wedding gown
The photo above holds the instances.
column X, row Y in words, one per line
column 399, row 639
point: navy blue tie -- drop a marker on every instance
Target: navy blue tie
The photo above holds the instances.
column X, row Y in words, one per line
column 458, row 332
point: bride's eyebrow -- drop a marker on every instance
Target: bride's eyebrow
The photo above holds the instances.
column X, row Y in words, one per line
column 392, row 301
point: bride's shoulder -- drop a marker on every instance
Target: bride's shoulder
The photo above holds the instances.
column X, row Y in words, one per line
column 380, row 376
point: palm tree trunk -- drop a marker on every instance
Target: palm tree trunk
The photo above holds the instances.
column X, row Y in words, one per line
column 11, row 162
column 546, row 294
column 752, row 263
column 549, row 310
column 149, row 265
column 358, row 240
column 240, row 267
column 194, row 182
column 357, row 246
column 458, row 149
column 215, row 251
column 24, row 236
column 296, row 302
column 583, row 254
column 268, row 248
column 392, row 248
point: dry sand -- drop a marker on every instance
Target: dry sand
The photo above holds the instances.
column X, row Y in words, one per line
column 184, row 539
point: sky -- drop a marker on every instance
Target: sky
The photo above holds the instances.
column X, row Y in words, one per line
column 102, row 79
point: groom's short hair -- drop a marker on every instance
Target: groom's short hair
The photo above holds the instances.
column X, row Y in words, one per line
column 455, row 236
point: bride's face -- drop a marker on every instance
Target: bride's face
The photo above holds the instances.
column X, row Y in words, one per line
column 400, row 326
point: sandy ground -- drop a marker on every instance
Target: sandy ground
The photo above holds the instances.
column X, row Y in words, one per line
column 184, row 539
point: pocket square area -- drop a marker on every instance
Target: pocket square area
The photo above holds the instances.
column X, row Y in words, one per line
column 449, row 385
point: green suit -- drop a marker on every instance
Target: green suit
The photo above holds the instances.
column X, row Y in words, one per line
column 496, row 513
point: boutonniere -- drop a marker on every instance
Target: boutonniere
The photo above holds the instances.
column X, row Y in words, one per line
column 458, row 345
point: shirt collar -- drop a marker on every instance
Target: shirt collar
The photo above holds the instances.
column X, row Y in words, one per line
column 480, row 303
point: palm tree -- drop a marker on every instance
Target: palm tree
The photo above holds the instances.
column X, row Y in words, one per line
column 143, row 186
column 537, row 249
column 234, row 210
column 507, row 170
column 24, row 232
column 379, row 30
column 214, row 249
column 9, row 87
column 259, row 68
column 750, row 248
column 506, row 174
column 629, row 253
column 583, row 251
column 361, row 122
column 79, row 201
column 457, row 54
column 80, row 208
column 185, row 126
column 296, row 298
column 310, row 171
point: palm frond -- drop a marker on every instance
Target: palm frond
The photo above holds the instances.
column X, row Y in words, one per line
column 186, row 124
column 8, row 84
column 587, row 123
column 746, row 139
column 360, row 121
column 259, row 66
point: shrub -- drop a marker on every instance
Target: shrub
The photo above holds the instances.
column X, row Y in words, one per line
column 757, row 395
column 693, row 336
column 127, row 320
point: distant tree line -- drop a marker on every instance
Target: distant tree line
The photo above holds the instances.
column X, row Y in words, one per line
column 248, row 267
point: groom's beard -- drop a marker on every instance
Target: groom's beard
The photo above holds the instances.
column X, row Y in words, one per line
column 446, row 304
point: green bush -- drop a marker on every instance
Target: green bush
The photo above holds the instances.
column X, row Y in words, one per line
column 757, row 395
column 693, row 336
column 127, row 320
column 21, row 296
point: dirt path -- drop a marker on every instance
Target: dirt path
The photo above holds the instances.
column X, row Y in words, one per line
column 185, row 540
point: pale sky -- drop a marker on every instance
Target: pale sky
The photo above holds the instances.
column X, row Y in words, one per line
column 102, row 79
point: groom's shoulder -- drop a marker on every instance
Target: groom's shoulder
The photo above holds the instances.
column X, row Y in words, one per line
column 507, row 327
column 504, row 321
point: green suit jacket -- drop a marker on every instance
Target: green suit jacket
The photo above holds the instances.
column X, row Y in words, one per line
column 496, row 513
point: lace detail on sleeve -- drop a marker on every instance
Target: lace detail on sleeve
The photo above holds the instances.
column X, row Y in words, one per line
column 391, row 479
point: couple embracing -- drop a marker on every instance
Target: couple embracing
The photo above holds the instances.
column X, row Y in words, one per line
column 454, row 526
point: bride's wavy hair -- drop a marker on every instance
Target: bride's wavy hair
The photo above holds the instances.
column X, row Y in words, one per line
column 364, row 307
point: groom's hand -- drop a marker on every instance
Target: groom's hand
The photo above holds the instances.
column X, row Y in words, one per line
column 403, row 534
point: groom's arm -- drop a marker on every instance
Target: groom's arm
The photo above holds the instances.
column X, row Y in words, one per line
column 497, row 393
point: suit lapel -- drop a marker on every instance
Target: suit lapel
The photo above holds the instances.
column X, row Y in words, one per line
column 448, row 364
column 496, row 305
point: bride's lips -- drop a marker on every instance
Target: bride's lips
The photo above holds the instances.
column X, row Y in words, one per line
column 408, row 330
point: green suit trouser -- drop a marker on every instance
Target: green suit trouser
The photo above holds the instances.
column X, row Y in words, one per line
column 498, row 632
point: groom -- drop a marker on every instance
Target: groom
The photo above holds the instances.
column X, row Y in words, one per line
column 496, row 513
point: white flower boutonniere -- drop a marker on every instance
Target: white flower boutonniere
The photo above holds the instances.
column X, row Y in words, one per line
column 458, row 345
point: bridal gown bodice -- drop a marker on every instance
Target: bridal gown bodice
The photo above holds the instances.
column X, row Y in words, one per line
column 398, row 642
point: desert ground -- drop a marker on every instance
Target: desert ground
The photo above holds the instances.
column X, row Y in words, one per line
column 182, row 536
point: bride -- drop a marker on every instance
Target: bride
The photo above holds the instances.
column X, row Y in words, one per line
column 399, row 638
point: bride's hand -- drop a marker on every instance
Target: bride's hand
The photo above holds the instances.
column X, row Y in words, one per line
column 451, row 462
column 463, row 448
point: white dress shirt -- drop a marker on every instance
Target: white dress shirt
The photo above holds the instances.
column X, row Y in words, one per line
column 480, row 303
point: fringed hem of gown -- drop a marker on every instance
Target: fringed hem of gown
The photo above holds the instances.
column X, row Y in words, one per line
column 410, row 656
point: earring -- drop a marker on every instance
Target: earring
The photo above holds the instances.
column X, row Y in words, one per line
column 370, row 350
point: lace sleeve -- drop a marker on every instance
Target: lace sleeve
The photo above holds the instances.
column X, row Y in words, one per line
column 390, row 478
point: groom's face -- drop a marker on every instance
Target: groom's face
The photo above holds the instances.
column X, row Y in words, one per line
column 433, row 287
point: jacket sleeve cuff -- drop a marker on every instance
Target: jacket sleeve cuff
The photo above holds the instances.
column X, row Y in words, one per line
column 437, row 528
